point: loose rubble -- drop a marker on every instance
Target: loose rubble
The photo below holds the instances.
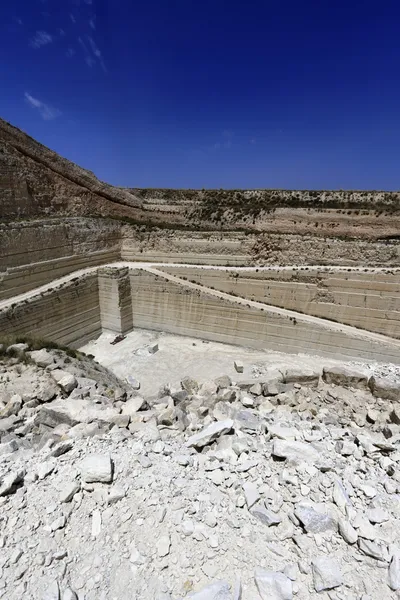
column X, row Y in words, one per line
column 283, row 487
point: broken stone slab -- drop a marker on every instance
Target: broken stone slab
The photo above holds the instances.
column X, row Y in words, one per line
column 134, row 383
column 69, row 491
column 239, row 367
column 347, row 531
column 219, row 590
column 346, row 377
column 12, row 407
column 251, row 493
column 223, row 382
column 340, row 496
column 315, row 517
column 209, row 434
column 394, row 571
column 307, row 376
column 282, row 433
column 373, row 549
column 17, row 348
column 385, row 388
column 72, row 412
column 267, row 517
column 133, row 405
column 97, row 468
column 272, row 585
column 190, row 385
column 52, row 592
column 8, row 423
column 65, row 380
column 273, row 388
column 163, row 545
column 42, row 357
column 326, row 573
column 296, row 452
column 11, row 481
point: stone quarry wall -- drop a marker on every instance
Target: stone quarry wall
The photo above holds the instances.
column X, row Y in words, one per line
column 164, row 305
column 33, row 253
column 186, row 246
column 368, row 299
column 115, row 299
column 247, row 248
column 69, row 314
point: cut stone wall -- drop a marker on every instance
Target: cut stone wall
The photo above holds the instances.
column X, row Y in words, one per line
column 115, row 299
column 36, row 252
column 164, row 305
column 362, row 298
column 69, row 314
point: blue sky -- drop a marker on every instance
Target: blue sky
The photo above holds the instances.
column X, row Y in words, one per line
column 210, row 93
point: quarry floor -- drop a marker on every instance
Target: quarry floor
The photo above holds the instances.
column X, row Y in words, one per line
column 178, row 356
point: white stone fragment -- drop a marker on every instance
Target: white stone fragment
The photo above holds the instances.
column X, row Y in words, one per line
column 97, row 468
column 326, row 573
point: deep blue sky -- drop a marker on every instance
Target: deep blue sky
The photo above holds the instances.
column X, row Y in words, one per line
column 209, row 93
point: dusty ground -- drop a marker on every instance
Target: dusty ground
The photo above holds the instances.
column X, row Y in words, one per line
column 179, row 356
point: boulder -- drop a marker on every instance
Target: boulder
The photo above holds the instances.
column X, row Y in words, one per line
column 11, row 481
column 385, row 388
column 239, row 367
column 12, row 407
column 223, row 382
column 307, row 376
column 346, row 376
column 97, row 468
column 42, row 357
column 326, row 573
column 190, row 385
column 65, row 380
column 133, row 405
column 296, row 452
column 272, row 585
column 219, row 590
column 315, row 517
column 209, row 434
column 267, row 517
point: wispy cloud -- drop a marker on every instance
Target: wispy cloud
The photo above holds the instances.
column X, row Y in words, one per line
column 47, row 112
column 61, row 32
column 226, row 140
column 71, row 16
column 70, row 52
column 41, row 38
column 20, row 21
column 92, row 24
column 253, row 141
column 95, row 50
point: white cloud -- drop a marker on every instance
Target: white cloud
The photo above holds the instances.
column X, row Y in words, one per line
column 95, row 49
column 41, row 38
column 97, row 53
column 48, row 113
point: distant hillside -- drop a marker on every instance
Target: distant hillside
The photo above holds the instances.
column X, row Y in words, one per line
column 35, row 182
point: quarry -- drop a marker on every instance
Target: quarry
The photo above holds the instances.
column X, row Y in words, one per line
column 199, row 389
